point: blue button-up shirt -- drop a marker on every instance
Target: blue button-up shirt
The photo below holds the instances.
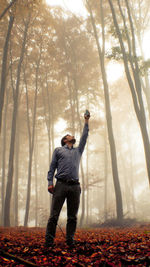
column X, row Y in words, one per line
column 66, row 160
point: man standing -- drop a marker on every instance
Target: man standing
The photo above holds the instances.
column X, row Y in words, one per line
column 66, row 160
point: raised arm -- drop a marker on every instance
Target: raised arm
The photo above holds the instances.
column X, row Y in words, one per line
column 51, row 171
column 84, row 133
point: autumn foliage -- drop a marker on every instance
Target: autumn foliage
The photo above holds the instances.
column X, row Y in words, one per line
column 95, row 247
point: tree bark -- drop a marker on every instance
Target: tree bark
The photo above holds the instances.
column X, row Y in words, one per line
column 87, row 182
column 47, row 114
column 52, row 118
column 13, row 135
column 4, row 159
column 31, row 142
column 16, row 175
column 71, row 94
column 119, row 206
column 132, row 186
column 71, row 105
column 135, row 85
column 81, row 165
column 49, row 119
column 138, row 27
column 4, row 68
column 105, row 175
column 36, row 180
column 7, row 8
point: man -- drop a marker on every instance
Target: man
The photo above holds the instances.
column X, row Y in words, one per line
column 66, row 160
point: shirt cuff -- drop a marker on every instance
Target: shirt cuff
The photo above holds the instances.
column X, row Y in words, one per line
column 50, row 183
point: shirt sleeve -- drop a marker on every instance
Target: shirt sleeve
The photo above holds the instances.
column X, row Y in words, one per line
column 52, row 168
column 83, row 138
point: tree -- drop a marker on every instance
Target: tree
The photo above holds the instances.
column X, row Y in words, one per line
column 101, row 51
column 4, row 131
column 7, row 8
column 13, row 133
column 4, row 67
column 141, row 21
column 132, row 71
column 31, row 136
column 17, row 148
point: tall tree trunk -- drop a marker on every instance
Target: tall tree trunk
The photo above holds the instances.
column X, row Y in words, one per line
column 4, row 158
column 71, row 94
column 119, row 206
column 47, row 115
column 87, row 171
column 81, row 165
column 71, row 100
column 31, row 147
column 105, row 175
column 126, row 185
column 52, row 118
column 132, row 186
column 36, row 179
column 13, row 135
column 131, row 175
column 31, row 143
column 87, row 182
column 49, row 119
column 16, row 174
column 4, row 68
column 135, row 85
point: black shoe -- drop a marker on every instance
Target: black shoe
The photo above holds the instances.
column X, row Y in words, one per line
column 49, row 244
column 71, row 242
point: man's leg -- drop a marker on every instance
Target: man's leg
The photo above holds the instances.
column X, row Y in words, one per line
column 57, row 203
column 73, row 200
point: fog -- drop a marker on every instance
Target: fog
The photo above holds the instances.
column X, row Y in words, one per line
column 55, row 64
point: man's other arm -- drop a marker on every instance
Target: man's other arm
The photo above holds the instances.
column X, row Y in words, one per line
column 51, row 171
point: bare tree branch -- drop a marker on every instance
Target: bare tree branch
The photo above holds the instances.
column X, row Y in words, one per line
column 7, row 8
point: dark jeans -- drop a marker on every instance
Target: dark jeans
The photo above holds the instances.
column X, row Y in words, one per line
column 71, row 193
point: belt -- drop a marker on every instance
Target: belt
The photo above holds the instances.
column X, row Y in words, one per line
column 69, row 181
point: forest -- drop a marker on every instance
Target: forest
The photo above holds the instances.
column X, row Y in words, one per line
column 55, row 64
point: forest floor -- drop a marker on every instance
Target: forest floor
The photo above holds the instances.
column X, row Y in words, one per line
column 95, row 247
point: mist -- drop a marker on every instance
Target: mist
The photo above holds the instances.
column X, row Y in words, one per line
column 55, row 64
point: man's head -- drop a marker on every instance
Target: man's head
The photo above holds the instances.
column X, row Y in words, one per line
column 68, row 139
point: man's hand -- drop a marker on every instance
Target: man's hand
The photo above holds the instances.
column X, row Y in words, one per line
column 51, row 189
column 87, row 116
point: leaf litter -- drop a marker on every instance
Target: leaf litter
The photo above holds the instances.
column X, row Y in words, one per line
column 95, row 247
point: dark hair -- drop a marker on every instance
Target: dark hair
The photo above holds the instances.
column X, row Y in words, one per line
column 62, row 140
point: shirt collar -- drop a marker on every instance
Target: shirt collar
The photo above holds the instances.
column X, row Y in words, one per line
column 66, row 146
